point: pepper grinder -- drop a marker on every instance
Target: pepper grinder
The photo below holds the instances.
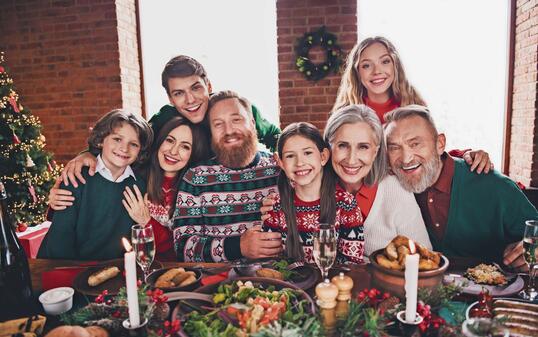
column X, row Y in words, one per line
column 344, row 284
column 326, row 293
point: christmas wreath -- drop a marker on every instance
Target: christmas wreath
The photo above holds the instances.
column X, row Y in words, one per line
column 325, row 40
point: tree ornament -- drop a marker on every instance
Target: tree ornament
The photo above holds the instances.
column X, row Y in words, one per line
column 16, row 139
column 49, row 167
column 2, row 69
column 31, row 189
column 29, row 161
column 325, row 40
column 13, row 103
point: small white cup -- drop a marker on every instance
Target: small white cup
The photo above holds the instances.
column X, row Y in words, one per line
column 57, row 301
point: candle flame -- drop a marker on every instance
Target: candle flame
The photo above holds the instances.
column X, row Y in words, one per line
column 126, row 244
column 412, row 247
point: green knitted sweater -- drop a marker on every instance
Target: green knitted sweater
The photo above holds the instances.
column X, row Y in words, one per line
column 92, row 228
column 487, row 212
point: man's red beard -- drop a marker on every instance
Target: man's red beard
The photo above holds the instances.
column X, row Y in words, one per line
column 239, row 155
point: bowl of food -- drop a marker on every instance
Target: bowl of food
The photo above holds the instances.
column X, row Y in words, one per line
column 175, row 279
column 58, row 300
column 388, row 267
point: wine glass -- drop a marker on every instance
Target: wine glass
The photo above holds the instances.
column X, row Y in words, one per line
column 143, row 242
column 530, row 245
column 325, row 248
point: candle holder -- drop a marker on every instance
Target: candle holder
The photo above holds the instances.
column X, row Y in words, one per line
column 139, row 331
column 408, row 329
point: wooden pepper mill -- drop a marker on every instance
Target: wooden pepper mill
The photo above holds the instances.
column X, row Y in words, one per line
column 344, row 284
column 326, row 293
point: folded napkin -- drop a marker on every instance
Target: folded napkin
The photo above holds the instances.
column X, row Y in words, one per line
column 217, row 278
column 29, row 326
column 62, row 276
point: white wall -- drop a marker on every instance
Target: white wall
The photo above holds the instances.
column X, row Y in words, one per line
column 455, row 54
column 235, row 40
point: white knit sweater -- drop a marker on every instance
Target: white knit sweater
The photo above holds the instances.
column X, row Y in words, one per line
column 395, row 211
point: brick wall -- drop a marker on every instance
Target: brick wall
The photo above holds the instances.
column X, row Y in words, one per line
column 524, row 124
column 300, row 99
column 71, row 61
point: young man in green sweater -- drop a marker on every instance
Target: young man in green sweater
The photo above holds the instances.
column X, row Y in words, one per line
column 466, row 214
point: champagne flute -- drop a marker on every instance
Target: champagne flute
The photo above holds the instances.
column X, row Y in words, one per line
column 325, row 248
column 530, row 245
column 143, row 242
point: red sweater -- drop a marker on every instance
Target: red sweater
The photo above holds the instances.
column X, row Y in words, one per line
column 164, row 242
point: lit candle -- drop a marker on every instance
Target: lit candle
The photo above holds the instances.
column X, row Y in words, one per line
column 411, row 283
column 130, row 281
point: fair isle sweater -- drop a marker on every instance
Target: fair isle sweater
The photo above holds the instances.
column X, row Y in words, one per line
column 348, row 226
column 215, row 205
column 394, row 212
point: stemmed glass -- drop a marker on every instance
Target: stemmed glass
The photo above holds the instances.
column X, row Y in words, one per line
column 325, row 248
column 530, row 245
column 143, row 242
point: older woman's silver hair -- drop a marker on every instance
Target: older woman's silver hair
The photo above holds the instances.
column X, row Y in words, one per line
column 356, row 113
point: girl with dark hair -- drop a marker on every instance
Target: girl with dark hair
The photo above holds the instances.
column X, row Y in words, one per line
column 178, row 144
column 314, row 198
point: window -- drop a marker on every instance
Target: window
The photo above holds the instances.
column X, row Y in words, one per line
column 234, row 40
column 455, row 54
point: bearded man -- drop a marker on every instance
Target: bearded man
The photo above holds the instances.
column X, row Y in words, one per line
column 466, row 214
column 217, row 216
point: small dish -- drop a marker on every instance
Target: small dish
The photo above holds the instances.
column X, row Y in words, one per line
column 57, row 300
column 152, row 278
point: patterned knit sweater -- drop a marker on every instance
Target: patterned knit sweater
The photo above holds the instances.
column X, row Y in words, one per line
column 348, row 224
column 216, row 204
column 162, row 224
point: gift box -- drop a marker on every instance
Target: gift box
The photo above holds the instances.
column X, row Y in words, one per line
column 31, row 239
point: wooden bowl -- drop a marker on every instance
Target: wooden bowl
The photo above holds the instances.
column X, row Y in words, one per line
column 393, row 281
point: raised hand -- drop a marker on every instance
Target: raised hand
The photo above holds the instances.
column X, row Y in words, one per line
column 136, row 205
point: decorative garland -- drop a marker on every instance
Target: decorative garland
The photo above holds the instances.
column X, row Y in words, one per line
column 325, row 40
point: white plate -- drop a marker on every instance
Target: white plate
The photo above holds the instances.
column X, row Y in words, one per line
column 474, row 289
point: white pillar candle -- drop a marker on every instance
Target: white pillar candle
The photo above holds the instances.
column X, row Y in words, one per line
column 130, row 281
column 411, row 283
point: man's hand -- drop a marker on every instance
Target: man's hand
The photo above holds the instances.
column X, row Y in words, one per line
column 73, row 170
column 60, row 199
column 256, row 244
column 136, row 205
column 478, row 160
column 513, row 257
column 267, row 206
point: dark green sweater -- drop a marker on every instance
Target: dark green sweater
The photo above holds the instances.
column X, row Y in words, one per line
column 487, row 212
column 267, row 133
column 92, row 228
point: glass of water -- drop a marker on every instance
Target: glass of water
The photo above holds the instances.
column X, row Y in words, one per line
column 143, row 242
column 325, row 248
column 530, row 245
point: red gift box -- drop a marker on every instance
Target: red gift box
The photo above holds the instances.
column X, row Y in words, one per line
column 32, row 240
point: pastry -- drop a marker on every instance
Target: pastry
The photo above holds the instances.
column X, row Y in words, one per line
column 103, row 275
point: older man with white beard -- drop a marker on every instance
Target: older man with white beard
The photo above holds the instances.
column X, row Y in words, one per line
column 217, row 216
column 466, row 214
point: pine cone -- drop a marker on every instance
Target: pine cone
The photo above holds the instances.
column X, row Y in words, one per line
column 389, row 303
column 162, row 310
column 111, row 325
column 100, row 309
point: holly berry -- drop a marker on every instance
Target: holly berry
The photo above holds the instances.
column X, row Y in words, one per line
column 22, row 227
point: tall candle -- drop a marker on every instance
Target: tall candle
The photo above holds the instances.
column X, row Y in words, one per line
column 130, row 281
column 411, row 283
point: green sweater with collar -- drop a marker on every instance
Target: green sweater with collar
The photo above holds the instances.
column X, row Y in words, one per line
column 92, row 228
column 267, row 133
column 487, row 212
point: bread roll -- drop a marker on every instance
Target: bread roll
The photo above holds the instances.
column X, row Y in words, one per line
column 97, row 331
column 102, row 275
column 69, row 331
column 188, row 280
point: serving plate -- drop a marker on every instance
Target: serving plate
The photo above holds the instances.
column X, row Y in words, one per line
column 113, row 285
column 152, row 278
column 514, row 285
column 305, row 275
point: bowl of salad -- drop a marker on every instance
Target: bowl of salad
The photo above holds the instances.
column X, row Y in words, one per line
column 249, row 306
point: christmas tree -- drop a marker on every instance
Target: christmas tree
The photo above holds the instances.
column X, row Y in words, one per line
column 27, row 171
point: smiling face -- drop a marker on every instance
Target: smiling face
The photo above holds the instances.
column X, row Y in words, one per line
column 190, row 96
column 376, row 71
column 120, row 149
column 175, row 151
column 233, row 134
column 303, row 162
column 353, row 150
column 414, row 153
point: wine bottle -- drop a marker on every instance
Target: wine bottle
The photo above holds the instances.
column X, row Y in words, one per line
column 16, row 296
